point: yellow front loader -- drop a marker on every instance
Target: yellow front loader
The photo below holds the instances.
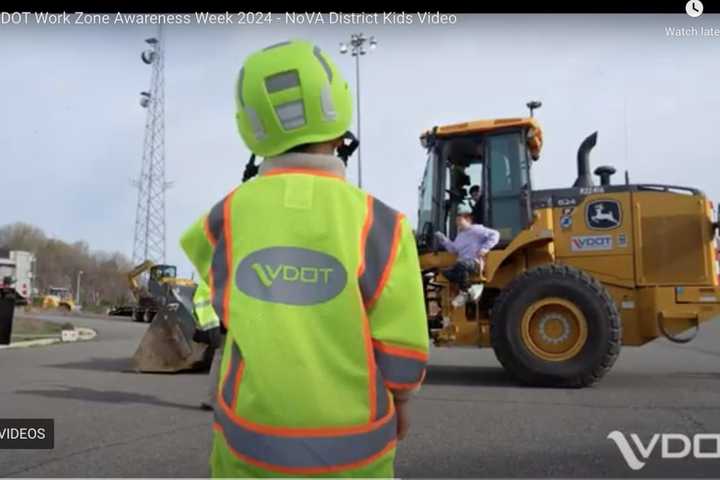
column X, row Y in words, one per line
column 166, row 302
column 579, row 271
column 58, row 298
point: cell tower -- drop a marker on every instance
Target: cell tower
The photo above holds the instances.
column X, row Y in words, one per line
column 149, row 242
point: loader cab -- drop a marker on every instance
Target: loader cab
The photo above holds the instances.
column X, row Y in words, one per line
column 493, row 155
column 160, row 272
column 159, row 276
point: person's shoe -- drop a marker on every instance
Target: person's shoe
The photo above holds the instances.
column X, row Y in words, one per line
column 206, row 406
column 475, row 291
column 460, row 300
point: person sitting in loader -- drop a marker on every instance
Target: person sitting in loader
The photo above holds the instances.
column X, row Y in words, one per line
column 471, row 245
column 476, row 203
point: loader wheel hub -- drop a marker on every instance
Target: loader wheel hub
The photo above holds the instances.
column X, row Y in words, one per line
column 554, row 329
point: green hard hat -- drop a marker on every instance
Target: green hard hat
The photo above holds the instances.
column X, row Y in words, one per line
column 464, row 209
column 290, row 94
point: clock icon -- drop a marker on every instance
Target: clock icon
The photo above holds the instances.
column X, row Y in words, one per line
column 694, row 8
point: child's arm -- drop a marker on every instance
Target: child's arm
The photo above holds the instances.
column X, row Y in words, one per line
column 488, row 238
column 446, row 242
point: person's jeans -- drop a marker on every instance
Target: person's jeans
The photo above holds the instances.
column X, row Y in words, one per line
column 460, row 273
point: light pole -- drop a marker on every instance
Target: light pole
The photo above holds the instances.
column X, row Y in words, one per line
column 77, row 290
column 357, row 48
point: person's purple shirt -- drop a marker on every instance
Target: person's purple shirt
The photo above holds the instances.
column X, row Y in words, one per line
column 470, row 242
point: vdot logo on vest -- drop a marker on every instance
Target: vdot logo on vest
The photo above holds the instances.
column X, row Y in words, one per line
column 672, row 446
column 291, row 275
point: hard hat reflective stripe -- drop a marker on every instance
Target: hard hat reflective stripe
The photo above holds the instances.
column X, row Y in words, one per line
column 282, row 81
column 291, row 114
column 398, row 369
column 328, row 71
column 257, row 126
column 275, row 45
column 379, row 249
column 241, row 76
column 328, row 106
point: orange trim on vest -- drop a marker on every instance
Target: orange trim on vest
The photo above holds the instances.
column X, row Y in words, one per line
column 303, row 470
column 227, row 230
column 236, row 384
column 371, row 364
column 206, row 226
column 367, row 333
column 390, row 261
column 303, row 171
column 364, row 235
column 401, row 351
column 305, row 432
column 406, row 386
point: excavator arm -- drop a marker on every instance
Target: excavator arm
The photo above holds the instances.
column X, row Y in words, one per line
column 134, row 274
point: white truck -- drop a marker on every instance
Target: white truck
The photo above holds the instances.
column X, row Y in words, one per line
column 17, row 270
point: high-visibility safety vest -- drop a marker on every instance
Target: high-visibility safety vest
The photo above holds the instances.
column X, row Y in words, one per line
column 206, row 318
column 320, row 289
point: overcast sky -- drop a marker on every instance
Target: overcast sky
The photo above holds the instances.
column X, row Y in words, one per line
column 71, row 128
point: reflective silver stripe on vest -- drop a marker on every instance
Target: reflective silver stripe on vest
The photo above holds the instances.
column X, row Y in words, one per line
column 257, row 126
column 381, row 396
column 282, row 81
column 218, row 264
column 397, row 369
column 328, row 106
column 202, row 304
column 378, row 247
column 215, row 221
column 228, row 387
column 291, row 114
column 297, row 452
column 328, row 71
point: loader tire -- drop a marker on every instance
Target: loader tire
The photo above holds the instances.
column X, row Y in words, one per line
column 556, row 326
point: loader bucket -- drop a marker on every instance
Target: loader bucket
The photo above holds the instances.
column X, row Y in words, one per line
column 167, row 345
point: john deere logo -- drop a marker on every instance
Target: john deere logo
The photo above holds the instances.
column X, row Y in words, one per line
column 603, row 215
column 291, row 275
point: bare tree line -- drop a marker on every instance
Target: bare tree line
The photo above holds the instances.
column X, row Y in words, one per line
column 103, row 281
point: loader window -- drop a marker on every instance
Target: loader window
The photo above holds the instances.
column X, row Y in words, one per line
column 508, row 178
column 427, row 187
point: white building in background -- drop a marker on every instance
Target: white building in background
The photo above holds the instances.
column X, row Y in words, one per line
column 17, row 270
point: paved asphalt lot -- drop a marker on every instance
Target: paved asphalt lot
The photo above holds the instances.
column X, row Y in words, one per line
column 470, row 420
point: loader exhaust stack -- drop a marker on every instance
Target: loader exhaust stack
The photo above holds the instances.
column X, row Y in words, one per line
column 584, row 178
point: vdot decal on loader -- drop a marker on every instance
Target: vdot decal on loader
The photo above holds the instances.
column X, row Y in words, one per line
column 291, row 275
column 672, row 446
column 591, row 243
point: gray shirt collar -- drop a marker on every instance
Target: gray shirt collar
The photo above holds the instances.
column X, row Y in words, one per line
column 326, row 163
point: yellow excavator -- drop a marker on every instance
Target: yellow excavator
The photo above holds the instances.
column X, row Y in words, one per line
column 165, row 301
column 579, row 271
